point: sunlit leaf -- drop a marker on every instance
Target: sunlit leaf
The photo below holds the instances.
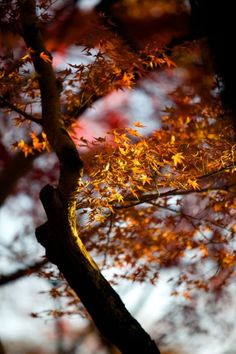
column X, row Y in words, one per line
column 45, row 57
column 178, row 158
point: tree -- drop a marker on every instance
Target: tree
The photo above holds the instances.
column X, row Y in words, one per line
column 145, row 201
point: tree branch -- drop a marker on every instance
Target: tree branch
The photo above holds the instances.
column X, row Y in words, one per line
column 59, row 234
column 5, row 279
column 147, row 198
column 5, row 103
column 174, row 192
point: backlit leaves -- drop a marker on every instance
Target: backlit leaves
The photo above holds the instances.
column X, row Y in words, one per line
column 38, row 143
column 178, row 158
column 45, row 57
column 136, row 179
column 134, row 164
column 193, row 183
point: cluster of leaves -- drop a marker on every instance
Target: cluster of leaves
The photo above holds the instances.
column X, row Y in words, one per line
column 137, row 191
column 128, row 166
column 105, row 73
column 39, row 144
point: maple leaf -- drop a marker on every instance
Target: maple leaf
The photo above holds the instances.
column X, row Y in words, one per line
column 133, row 132
column 178, row 158
column 193, row 183
column 145, row 179
column 127, row 79
column 45, row 57
column 123, row 151
column 117, row 196
column 25, row 148
column 107, row 166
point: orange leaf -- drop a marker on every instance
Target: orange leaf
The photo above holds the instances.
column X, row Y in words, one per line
column 45, row 57
column 138, row 125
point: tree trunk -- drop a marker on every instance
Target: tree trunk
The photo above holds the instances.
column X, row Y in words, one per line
column 103, row 304
column 59, row 234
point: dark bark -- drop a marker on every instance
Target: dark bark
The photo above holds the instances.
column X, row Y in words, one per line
column 102, row 302
column 59, row 234
column 216, row 20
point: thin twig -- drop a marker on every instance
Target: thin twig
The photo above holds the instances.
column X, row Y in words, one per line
column 175, row 192
column 5, row 103
column 187, row 216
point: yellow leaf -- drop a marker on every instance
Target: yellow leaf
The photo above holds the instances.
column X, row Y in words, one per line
column 193, row 183
column 127, row 79
column 44, row 136
column 178, row 158
column 123, row 151
column 145, row 179
column 26, row 57
column 136, row 162
column 136, row 170
column 133, row 132
column 107, row 166
column 118, row 197
column 45, row 57
column 100, row 218
column 188, row 120
column 212, row 136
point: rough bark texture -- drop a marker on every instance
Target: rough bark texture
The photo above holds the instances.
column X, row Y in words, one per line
column 102, row 302
column 59, row 235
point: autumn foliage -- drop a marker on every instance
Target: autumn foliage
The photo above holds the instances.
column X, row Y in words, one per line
column 157, row 192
